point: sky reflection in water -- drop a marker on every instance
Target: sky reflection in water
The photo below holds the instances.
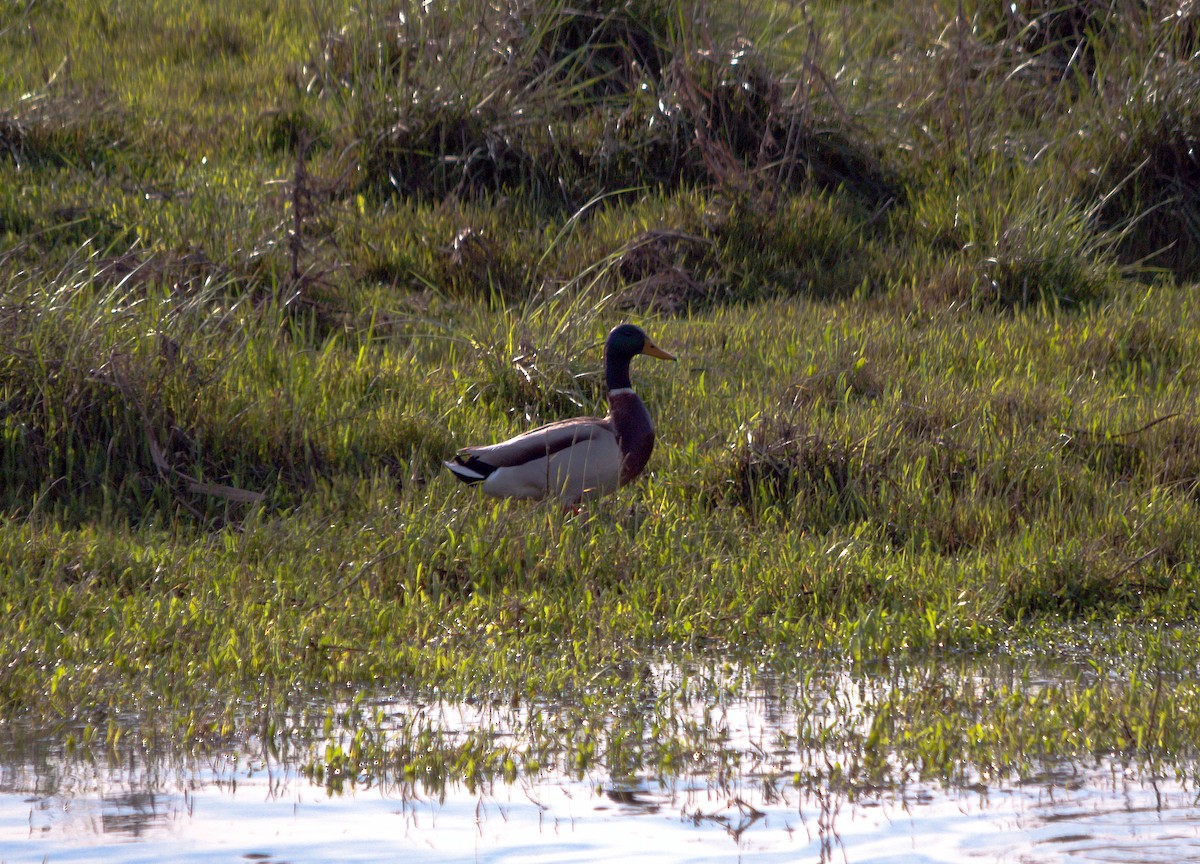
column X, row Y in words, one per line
column 236, row 807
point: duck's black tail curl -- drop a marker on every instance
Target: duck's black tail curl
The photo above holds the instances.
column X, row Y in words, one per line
column 469, row 469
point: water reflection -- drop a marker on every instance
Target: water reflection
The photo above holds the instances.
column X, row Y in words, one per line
column 128, row 816
column 1095, row 819
column 714, row 771
column 81, row 801
column 633, row 800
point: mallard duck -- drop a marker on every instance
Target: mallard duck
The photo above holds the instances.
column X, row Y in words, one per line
column 584, row 457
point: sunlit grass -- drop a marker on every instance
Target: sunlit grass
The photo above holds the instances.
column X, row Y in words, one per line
column 929, row 399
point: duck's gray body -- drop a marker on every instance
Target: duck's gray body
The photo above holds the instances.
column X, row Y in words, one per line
column 576, row 459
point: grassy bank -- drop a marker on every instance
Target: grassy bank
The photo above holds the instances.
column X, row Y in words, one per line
column 930, row 277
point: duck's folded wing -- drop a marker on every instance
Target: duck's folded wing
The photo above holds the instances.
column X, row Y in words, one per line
column 540, row 443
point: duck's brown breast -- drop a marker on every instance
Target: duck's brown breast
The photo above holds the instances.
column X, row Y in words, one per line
column 635, row 432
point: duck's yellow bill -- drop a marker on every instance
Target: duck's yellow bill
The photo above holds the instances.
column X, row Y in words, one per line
column 654, row 351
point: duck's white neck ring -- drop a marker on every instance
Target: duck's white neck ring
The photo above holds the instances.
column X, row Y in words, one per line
column 621, row 391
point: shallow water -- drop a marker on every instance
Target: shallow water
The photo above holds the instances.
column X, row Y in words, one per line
column 249, row 803
column 1098, row 814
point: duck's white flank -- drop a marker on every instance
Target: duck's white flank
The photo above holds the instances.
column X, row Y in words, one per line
column 588, row 468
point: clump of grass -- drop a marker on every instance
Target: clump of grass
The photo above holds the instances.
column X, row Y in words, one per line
column 1146, row 346
column 128, row 395
column 1150, row 180
column 1111, row 76
column 567, row 103
column 288, row 128
column 597, row 50
column 1165, row 448
column 1059, row 42
column 1068, row 580
column 850, row 376
column 756, row 130
column 460, row 250
column 813, row 244
column 62, row 129
column 801, row 475
column 667, row 271
column 1010, row 243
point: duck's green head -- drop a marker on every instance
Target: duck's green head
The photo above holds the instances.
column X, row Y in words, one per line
column 628, row 340
column 625, row 341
